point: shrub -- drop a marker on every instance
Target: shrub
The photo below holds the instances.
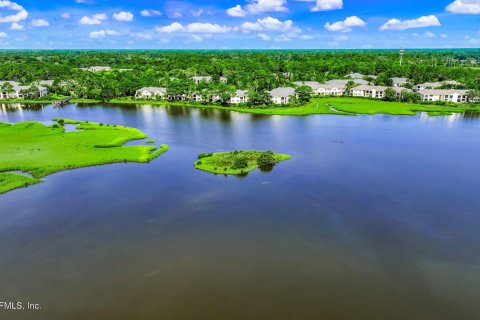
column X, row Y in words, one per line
column 240, row 162
column 204, row 155
column 266, row 160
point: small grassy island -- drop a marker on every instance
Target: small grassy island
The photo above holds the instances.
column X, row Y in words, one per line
column 30, row 151
column 238, row 162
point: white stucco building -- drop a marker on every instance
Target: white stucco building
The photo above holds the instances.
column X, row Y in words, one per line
column 16, row 91
column 377, row 92
column 240, row 96
column 444, row 95
column 282, row 95
column 151, row 92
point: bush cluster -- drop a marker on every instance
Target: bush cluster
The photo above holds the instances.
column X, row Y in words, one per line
column 240, row 162
column 266, row 160
column 204, row 155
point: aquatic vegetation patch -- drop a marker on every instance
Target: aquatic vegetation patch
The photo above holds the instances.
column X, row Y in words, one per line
column 238, row 162
column 39, row 150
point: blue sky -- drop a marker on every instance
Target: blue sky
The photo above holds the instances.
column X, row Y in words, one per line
column 239, row 24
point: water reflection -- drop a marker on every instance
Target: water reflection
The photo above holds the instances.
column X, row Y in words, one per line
column 364, row 222
column 471, row 115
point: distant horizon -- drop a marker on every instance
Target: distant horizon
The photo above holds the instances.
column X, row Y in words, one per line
column 239, row 49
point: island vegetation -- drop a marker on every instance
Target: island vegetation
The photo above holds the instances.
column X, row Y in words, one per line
column 31, row 150
column 238, row 162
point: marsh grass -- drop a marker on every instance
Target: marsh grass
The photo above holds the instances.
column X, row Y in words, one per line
column 40, row 150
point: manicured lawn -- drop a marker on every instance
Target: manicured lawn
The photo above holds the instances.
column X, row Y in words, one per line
column 367, row 106
column 237, row 162
column 40, row 150
column 370, row 106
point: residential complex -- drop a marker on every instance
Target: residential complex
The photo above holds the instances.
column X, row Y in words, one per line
column 13, row 90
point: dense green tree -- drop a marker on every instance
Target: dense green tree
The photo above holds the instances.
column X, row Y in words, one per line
column 303, row 94
column 390, row 95
column 256, row 71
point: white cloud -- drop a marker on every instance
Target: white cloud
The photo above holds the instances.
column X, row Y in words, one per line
column 263, row 37
column 150, row 13
column 429, row 35
column 196, row 27
column 85, row 1
column 94, row 19
column 66, row 15
column 345, row 25
column 3, row 35
column 236, row 11
column 261, row 6
column 325, row 5
column 16, row 26
column 21, row 14
column 472, row 40
column 143, row 36
column 198, row 38
column 444, row 36
column 422, row 22
column 175, row 15
column 464, row 7
column 269, row 24
column 103, row 33
column 174, row 27
column 39, row 23
column 257, row 7
column 123, row 16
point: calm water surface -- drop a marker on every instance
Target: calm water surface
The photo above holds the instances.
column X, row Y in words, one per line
column 375, row 217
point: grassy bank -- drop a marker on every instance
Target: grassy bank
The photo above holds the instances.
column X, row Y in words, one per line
column 238, row 162
column 39, row 150
column 86, row 101
column 48, row 100
column 327, row 105
column 372, row 106
column 310, row 108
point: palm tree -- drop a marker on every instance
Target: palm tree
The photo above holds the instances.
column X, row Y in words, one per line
column 8, row 88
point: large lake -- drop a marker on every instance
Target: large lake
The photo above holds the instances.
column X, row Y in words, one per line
column 375, row 217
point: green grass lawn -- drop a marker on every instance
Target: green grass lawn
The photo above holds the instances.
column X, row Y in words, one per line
column 371, row 106
column 40, row 150
column 237, row 162
column 367, row 106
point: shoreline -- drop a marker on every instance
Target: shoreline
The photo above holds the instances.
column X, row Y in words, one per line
column 350, row 106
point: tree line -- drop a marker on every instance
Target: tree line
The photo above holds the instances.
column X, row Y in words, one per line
column 255, row 71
